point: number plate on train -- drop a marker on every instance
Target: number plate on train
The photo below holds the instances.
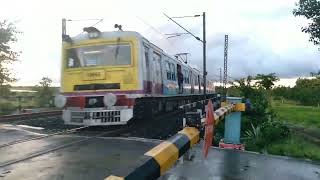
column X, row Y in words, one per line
column 94, row 75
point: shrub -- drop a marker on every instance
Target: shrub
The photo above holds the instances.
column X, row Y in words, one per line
column 274, row 131
column 259, row 137
column 6, row 108
column 254, row 138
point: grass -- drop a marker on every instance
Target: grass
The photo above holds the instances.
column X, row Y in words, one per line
column 307, row 117
column 291, row 112
column 295, row 146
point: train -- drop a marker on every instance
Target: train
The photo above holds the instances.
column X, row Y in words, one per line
column 113, row 77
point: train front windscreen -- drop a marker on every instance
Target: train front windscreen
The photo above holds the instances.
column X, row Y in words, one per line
column 101, row 55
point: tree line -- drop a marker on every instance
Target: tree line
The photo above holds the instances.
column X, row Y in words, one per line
column 11, row 101
column 306, row 91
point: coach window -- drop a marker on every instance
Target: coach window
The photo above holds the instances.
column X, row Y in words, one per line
column 173, row 71
column 186, row 75
column 73, row 60
column 168, row 70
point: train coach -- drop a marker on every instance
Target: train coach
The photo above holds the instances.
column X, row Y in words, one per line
column 109, row 78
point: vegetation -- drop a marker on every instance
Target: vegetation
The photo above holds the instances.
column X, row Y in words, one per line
column 306, row 92
column 265, row 134
column 259, row 128
column 45, row 93
column 290, row 112
column 26, row 98
column 266, row 81
column 8, row 36
column 267, row 123
column 310, row 9
column 295, row 146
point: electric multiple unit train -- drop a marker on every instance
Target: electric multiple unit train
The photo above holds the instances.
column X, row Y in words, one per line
column 108, row 78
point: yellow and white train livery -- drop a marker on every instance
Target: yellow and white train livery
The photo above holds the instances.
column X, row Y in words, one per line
column 109, row 78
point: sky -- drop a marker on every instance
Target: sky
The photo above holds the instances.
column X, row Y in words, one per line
column 264, row 36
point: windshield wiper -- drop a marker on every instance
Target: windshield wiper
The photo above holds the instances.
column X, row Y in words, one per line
column 117, row 48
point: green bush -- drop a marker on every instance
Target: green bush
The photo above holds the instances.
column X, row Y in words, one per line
column 254, row 139
column 259, row 137
column 6, row 108
column 278, row 98
column 274, row 131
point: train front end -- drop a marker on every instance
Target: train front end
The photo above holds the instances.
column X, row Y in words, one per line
column 99, row 78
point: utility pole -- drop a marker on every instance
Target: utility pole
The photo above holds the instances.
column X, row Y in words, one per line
column 220, row 76
column 225, row 65
column 204, row 55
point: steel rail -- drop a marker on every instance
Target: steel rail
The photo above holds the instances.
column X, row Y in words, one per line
column 6, row 118
column 42, row 136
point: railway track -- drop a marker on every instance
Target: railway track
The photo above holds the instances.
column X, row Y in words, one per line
column 84, row 133
column 44, row 151
column 144, row 128
column 67, row 131
column 28, row 116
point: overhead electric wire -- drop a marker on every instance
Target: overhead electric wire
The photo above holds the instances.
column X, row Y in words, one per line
column 156, row 30
column 83, row 19
column 184, row 28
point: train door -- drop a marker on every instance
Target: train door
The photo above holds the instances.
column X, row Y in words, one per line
column 180, row 79
column 148, row 82
column 191, row 82
column 199, row 82
column 157, row 74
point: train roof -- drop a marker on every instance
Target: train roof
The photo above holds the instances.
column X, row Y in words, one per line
column 108, row 34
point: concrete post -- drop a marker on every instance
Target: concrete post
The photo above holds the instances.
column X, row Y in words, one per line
column 232, row 127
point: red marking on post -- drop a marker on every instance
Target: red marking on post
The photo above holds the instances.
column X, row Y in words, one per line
column 209, row 129
column 231, row 146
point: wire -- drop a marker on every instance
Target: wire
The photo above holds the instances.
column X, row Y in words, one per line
column 184, row 28
column 97, row 23
column 156, row 30
column 83, row 19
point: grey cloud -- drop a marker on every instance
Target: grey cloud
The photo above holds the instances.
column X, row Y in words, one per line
column 249, row 57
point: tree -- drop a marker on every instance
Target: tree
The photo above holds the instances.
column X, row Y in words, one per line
column 266, row 81
column 8, row 36
column 45, row 82
column 310, row 9
column 315, row 74
column 306, row 91
column 45, row 92
column 244, row 85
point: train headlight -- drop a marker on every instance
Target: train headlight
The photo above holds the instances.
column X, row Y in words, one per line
column 92, row 101
column 109, row 99
column 92, row 32
column 93, row 35
column 60, row 101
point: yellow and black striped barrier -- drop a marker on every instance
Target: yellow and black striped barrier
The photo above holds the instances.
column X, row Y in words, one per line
column 161, row 158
